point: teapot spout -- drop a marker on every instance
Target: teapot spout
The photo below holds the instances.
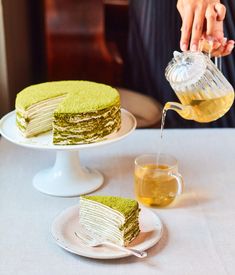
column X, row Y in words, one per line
column 185, row 111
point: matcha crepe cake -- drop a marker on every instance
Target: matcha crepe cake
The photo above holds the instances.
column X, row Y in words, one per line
column 77, row 111
column 113, row 218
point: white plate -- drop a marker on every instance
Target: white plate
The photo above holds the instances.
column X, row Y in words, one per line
column 66, row 224
column 11, row 132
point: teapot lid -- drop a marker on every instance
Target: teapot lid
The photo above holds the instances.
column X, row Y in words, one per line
column 186, row 67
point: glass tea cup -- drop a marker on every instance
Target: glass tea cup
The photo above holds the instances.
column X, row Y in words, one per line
column 157, row 180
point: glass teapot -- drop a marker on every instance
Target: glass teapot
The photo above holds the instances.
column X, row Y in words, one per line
column 204, row 93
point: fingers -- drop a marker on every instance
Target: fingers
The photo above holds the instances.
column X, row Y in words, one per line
column 186, row 28
column 224, row 49
column 221, row 11
column 197, row 28
column 208, row 46
column 211, row 16
column 200, row 20
column 228, row 48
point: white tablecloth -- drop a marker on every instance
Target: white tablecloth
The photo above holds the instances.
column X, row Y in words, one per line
column 199, row 231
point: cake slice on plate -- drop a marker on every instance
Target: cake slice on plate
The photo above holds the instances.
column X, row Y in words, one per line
column 113, row 218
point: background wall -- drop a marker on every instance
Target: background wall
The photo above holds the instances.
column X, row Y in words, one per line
column 4, row 95
column 16, row 50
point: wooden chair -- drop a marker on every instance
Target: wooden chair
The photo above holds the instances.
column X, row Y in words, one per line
column 76, row 47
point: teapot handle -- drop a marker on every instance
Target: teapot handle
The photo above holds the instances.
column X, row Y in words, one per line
column 185, row 111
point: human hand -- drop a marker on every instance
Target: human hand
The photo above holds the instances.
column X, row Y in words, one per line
column 213, row 39
column 216, row 48
column 202, row 20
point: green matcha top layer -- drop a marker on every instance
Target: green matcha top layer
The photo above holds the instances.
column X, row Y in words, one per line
column 82, row 96
column 89, row 97
column 39, row 92
column 123, row 205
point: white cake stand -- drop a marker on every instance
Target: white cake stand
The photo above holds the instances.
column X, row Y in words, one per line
column 67, row 178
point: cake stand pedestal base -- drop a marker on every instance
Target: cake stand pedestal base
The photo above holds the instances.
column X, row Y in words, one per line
column 67, row 178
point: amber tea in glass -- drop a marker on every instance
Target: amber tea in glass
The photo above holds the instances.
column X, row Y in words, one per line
column 157, row 181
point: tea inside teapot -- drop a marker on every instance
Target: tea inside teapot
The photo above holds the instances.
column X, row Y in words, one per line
column 204, row 93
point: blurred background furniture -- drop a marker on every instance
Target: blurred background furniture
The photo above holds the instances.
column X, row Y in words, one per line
column 147, row 110
column 76, row 47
